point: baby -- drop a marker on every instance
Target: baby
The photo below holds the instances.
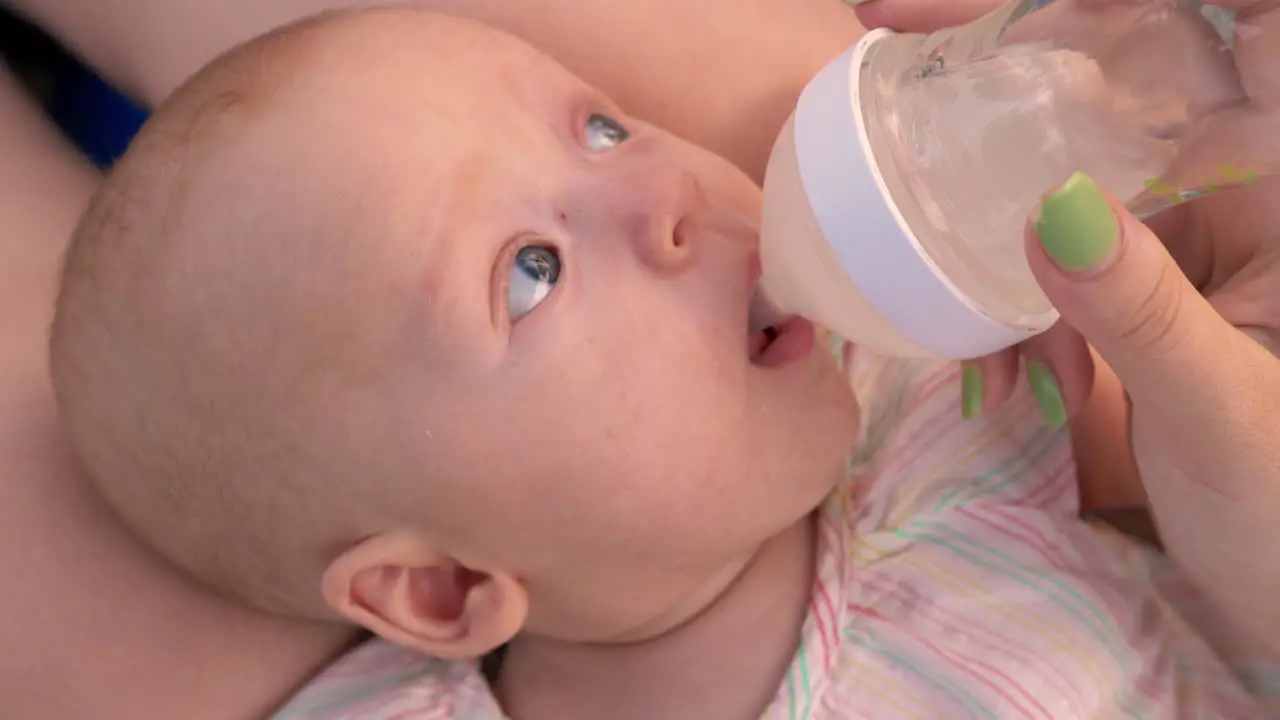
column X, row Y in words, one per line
column 386, row 319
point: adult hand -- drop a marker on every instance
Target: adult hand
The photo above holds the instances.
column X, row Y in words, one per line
column 1191, row 326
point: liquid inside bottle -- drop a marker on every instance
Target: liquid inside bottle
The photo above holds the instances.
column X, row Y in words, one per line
column 967, row 188
column 963, row 131
column 969, row 139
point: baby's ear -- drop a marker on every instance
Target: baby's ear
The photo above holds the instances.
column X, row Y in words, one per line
column 397, row 585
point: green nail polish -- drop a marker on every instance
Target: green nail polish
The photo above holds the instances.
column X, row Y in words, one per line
column 971, row 391
column 1044, row 386
column 1076, row 225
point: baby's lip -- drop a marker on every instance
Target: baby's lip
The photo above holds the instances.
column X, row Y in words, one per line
column 763, row 319
column 761, row 313
column 785, row 343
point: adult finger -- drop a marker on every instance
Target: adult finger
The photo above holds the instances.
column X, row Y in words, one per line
column 985, row 383
column 1114, row 281
column 1059, row 369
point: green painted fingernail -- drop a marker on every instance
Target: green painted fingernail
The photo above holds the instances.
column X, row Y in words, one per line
column 1076, row 224
column 1048, row 394
column 971, row 391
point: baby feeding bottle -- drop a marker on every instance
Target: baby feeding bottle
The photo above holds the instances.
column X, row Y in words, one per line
column 896, row 197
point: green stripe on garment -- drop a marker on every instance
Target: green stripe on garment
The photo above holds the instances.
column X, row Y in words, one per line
column 802, row 658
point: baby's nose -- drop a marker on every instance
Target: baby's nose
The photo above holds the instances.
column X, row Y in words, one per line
column 657, row 206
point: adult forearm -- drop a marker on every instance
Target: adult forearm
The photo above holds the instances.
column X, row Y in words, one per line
column 722, row 73
column 44, row 185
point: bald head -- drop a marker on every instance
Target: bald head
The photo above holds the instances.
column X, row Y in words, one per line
column 239, row 300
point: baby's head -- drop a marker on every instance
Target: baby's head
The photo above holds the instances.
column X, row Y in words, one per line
column 388, row 315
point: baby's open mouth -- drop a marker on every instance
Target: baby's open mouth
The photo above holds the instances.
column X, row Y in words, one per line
column 774, row 338
column 759, row 341
column 763, row 320
column 781, row 344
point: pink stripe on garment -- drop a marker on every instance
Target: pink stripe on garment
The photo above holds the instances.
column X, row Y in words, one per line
column 962, row 662
column 956, row 623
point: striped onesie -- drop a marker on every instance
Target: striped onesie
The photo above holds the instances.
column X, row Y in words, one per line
column 954, row 581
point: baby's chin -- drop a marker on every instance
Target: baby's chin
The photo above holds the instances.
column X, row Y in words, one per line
column 830, row 415
column 821, row 453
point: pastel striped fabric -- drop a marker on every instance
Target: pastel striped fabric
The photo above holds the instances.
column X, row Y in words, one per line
column 954, row 581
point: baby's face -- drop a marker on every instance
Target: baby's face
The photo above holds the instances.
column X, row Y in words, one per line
column 560, row 293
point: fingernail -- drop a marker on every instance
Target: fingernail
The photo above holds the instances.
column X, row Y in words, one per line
column 1076, row 224
column 971, row 391
column 1048, row 394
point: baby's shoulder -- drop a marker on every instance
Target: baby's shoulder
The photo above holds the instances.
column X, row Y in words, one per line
column 380, row 681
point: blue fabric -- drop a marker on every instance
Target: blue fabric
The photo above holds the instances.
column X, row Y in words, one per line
column 97, row 118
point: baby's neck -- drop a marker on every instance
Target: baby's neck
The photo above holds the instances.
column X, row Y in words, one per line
column 726, row 663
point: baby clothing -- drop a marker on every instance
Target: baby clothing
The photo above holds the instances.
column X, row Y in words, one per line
column 955, row 580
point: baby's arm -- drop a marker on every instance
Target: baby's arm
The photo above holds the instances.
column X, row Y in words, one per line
column 722, row 73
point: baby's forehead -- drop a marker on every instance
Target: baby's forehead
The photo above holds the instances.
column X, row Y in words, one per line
column 464, row 115
column 429, row 57
column 391, row 66
column 370, row 87
column 377, row 137
column 476, row 90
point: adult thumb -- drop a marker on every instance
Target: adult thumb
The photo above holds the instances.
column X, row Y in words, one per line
column 1113, row 280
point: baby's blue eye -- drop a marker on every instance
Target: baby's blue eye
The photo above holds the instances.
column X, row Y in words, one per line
column 533, row 274
column 603, row 133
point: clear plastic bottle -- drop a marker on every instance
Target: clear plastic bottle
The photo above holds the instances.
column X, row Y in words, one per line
column 897, row 195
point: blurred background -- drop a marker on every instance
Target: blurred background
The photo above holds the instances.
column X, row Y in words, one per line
column 99, row 120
